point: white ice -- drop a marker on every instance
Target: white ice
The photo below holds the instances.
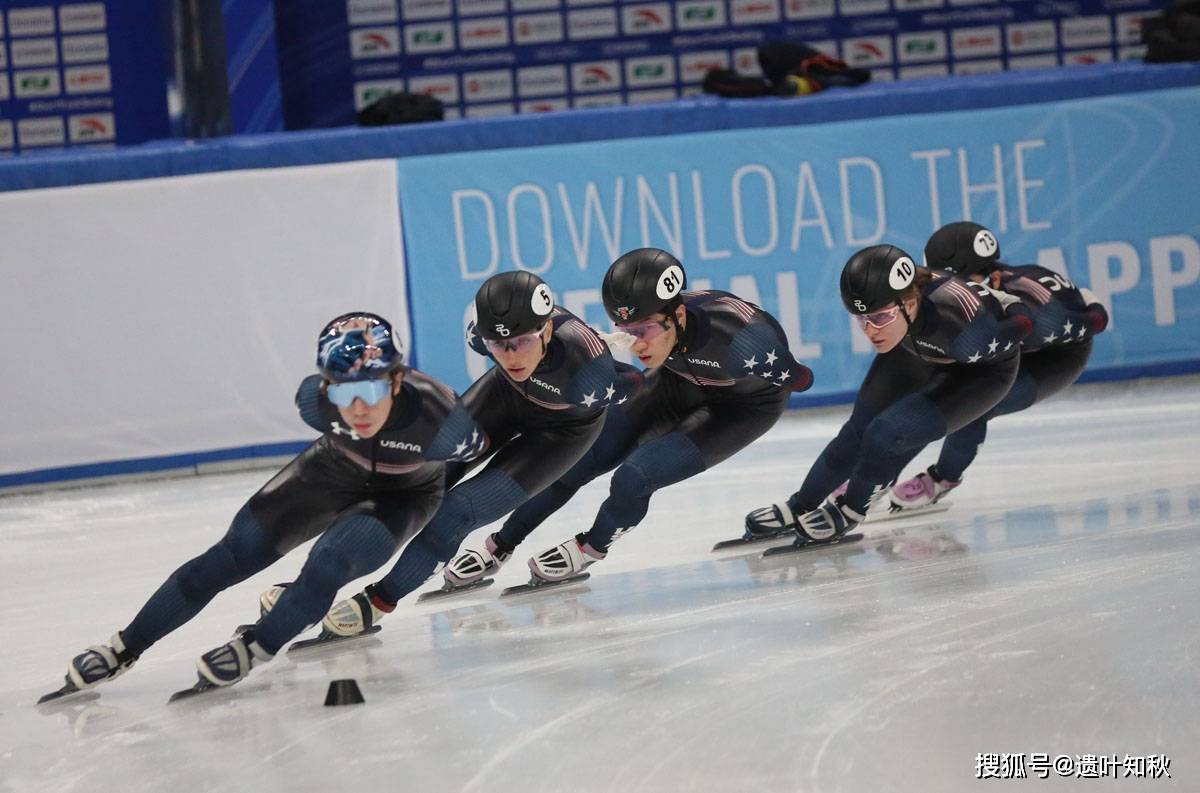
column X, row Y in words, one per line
column 1055, row 608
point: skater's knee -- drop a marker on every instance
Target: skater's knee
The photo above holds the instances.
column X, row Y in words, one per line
column 209, row 573
column 631, row 480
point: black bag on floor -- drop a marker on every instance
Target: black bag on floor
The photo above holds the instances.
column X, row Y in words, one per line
column 1173, row 35
column 781, row 60
column 401, row 108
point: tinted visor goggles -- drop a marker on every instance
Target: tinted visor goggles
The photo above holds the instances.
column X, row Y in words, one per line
column 369, row 391
column 523, row 343
column 646, row 330
column 879, row 319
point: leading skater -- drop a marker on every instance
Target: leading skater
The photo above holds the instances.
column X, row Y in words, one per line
column 1065, row 318
column 371, row 480
column 947, row 352
column 542, row 406
column 720, row 376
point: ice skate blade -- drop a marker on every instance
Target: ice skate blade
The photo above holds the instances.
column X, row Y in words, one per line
column 743, row 540
column 202, row 686
column 449, row 591
column 543, row 586
column 327, row 638
column 811, row 546
column 883, row 515
column 68, row 693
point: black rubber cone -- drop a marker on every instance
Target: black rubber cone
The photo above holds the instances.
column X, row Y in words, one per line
column 343, row 692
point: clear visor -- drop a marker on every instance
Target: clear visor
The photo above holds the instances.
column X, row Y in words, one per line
column 522, row 343
column 646, row 330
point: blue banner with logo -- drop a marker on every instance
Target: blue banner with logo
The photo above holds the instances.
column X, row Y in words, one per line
column 1102, row 190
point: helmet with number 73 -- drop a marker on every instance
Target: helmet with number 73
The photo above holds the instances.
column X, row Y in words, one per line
column 963, row 248
column 642, row 282
column 876, row 277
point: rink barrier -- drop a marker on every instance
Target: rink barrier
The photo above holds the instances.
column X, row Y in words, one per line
column 702, row 114
column 630, row 123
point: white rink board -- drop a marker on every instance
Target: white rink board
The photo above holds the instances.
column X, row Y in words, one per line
column 1052, row 609
column 166, row 316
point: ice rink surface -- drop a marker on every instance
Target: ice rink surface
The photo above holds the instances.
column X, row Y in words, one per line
column 1055, row 608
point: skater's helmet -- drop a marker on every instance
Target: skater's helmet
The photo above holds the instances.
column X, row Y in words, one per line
column 511, row 304
column 642, row 282
column 358, row 346
column 876, row 277
column 963, row 248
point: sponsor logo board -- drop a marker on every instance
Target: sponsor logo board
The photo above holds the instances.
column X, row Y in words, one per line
column 371, row 12
column 426, row 9
column 81, row 17
column 34, row 52
column 533, row 5
column 1086, row 31
column 486, row 111
column 808, row 9
column 867, row 51
column 1129, row 27
column 81, row 49
column 973, row 42
column 537, row 28
column 700, row 14
column 92, row 127
column 374, row 42
column 36, row 83
column 544, row 105
column 368, row 92
column 983, row 66
column 489, row 85
column 475, row 34
column 883, row 75
column 918, row 47
column 439, row 86
column 1022, row 62
column 3, row 86
column 749, row 12
column 46, row 131
column 6, row 135
column 31, row 21
column 695, row 65
column 652, row 97
column 3, row 52
column 597, row 100
column 429, row 37
column 595, row 76
column 1134, row 53
column 1031, row 36
column 468, row 8
column 644, row 19
column 1087, row 57
column 542, row 80
column 924, row 70
column 917, row 5
column 87, row 79
column 859, row 7
column 592, row 23
column 654, row 70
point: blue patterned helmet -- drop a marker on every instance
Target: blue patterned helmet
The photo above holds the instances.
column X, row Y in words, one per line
column 358, row 346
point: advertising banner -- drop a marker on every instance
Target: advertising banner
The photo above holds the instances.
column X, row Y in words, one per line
column 1100, row 190
column 169, row 316
column 500, row 57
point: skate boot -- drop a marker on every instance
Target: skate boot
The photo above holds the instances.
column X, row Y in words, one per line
column 233, row 660
column 922, row 490
column 827, row 522
column 268, row 599
column 99, row 663
column 356, row 615
column 470, row 566
column 564, row 561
